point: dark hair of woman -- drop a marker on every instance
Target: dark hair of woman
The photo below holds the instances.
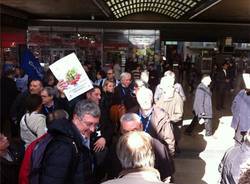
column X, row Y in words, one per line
column 33, row 102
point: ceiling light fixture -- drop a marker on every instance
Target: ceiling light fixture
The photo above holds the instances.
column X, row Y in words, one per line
column 172, row 8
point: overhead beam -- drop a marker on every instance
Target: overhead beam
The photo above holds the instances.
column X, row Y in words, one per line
column 151, row 24
column 204, row 8
column 5, row 10
column 13, row 18
column 102, row 7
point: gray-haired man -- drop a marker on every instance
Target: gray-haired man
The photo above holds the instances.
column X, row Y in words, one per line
column 163, row 161
column 59, row 165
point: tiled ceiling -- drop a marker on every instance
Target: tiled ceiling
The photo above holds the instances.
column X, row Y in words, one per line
column 172, row 8
column 236, row 11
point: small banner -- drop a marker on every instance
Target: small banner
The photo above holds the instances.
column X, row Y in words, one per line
column 31, row 65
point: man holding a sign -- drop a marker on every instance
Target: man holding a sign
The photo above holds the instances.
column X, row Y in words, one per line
column 73, row 82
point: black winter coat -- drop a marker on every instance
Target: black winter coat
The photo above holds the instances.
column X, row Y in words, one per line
column 105, row 129
column 18, row 107
column 221, row 83
column 57, row 165
column 125, row 96
column 8, row 95
column 59, row 103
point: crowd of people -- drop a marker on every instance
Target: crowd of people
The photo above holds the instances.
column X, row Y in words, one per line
column 123, row 130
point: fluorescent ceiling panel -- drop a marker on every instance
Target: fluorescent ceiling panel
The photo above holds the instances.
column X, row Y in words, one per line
column 172, row 8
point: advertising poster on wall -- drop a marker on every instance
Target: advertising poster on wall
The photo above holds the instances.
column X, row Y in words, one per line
column 71, row 71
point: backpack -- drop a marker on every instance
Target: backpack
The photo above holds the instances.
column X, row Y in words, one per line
column 31, row 164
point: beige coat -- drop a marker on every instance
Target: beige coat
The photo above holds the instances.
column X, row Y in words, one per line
column 138, row 176
column 163, row 131
column 173, row 105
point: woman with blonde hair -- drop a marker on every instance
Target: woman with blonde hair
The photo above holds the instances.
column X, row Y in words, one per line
column 107, row 94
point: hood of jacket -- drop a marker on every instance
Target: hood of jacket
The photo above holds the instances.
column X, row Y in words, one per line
column 66, row 128
column 204, row 88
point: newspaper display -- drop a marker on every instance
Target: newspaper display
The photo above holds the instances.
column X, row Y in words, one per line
column 70, row 70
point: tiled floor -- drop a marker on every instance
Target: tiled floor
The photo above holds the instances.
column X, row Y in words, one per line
column 200, row 156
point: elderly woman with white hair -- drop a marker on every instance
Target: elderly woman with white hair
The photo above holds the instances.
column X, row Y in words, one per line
column 202, row 107
column 169, row 99
column 168, row 96
column 160, row 87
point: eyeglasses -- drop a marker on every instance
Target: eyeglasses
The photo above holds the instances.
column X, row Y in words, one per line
column 43, row 96
column 88, row 124
column 91, row 125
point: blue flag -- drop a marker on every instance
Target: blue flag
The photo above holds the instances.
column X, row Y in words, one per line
column 31, row 65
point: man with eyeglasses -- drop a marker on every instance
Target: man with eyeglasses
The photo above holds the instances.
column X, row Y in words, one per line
column 110, row 77
column 102, row 137
column 67, row 158
column 51, row 102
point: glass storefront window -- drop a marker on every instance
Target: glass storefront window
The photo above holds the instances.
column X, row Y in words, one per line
column 56, row 42
column 94, row 45
column 11, row 42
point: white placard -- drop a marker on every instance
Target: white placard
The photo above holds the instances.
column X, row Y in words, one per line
column 246, row 78
column 70, row 70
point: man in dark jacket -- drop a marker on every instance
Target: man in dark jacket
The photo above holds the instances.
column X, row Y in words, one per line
column 153, row 77
column 110, row 77
column 104, row 131
column 8, row 94
column 202, row 106
column 51, row 102
column 101, row 139
column 222, row 82
column 70, row 161
column 18, row 108
column 163, row 161
column 124, row 92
